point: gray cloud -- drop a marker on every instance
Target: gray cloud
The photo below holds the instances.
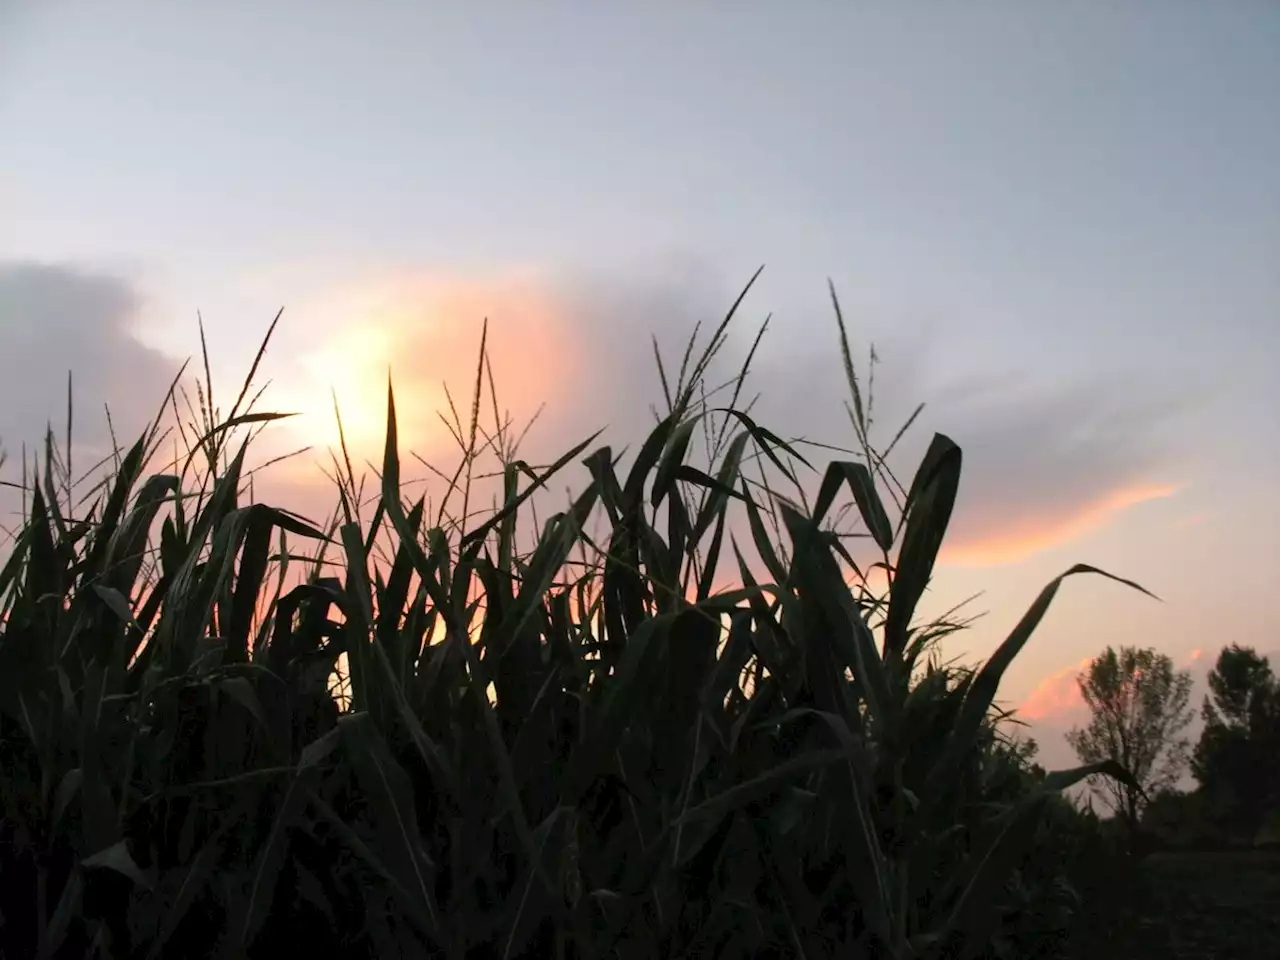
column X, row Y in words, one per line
column 58, row 319
column 1037, row 455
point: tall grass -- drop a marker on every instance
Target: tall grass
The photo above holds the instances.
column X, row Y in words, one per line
column 557, row 742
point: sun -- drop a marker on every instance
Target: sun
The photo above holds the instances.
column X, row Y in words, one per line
column 350, row 367
column 352, row 370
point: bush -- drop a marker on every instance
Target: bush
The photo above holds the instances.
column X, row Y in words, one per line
column 575, row 748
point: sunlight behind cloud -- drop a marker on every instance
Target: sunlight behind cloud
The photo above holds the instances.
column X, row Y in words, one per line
column 425, row 332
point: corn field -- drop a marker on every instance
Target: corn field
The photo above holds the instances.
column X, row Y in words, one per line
column 227, row 731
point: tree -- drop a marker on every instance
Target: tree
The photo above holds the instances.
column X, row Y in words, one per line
column 1240, row 683
column 1237, row 759
column 1139, row 707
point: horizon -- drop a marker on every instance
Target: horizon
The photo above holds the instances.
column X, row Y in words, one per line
column 1058, row 230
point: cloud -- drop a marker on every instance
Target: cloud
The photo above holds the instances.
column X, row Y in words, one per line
column 56, row 320
column 1025, row 534
column 1043, row 464
column 1056, row 697
column 1046, row 465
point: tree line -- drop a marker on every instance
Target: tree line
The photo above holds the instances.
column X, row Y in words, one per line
column 1140, row 709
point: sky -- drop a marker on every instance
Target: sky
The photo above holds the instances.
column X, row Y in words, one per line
column 1058, row 224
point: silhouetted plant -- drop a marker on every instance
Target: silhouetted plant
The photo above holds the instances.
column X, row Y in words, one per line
column 577, row 749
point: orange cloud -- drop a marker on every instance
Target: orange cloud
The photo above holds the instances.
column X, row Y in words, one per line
column 1035, row 535
column 1056, row 696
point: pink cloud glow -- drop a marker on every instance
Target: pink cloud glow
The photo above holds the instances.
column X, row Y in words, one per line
column 1004, row 547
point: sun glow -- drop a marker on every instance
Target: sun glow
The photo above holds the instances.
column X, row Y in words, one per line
column 351, row 371
column 425, row 333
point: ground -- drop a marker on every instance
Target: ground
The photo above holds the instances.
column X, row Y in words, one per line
column 1207, row 906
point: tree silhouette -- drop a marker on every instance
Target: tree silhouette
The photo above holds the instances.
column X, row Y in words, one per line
column 1139, row 707
column 1240, row 681
column 1237, row 759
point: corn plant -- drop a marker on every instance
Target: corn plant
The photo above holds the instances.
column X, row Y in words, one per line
column 560, row 743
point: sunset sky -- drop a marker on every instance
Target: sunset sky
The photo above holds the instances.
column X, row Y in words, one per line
column 1059, row 226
